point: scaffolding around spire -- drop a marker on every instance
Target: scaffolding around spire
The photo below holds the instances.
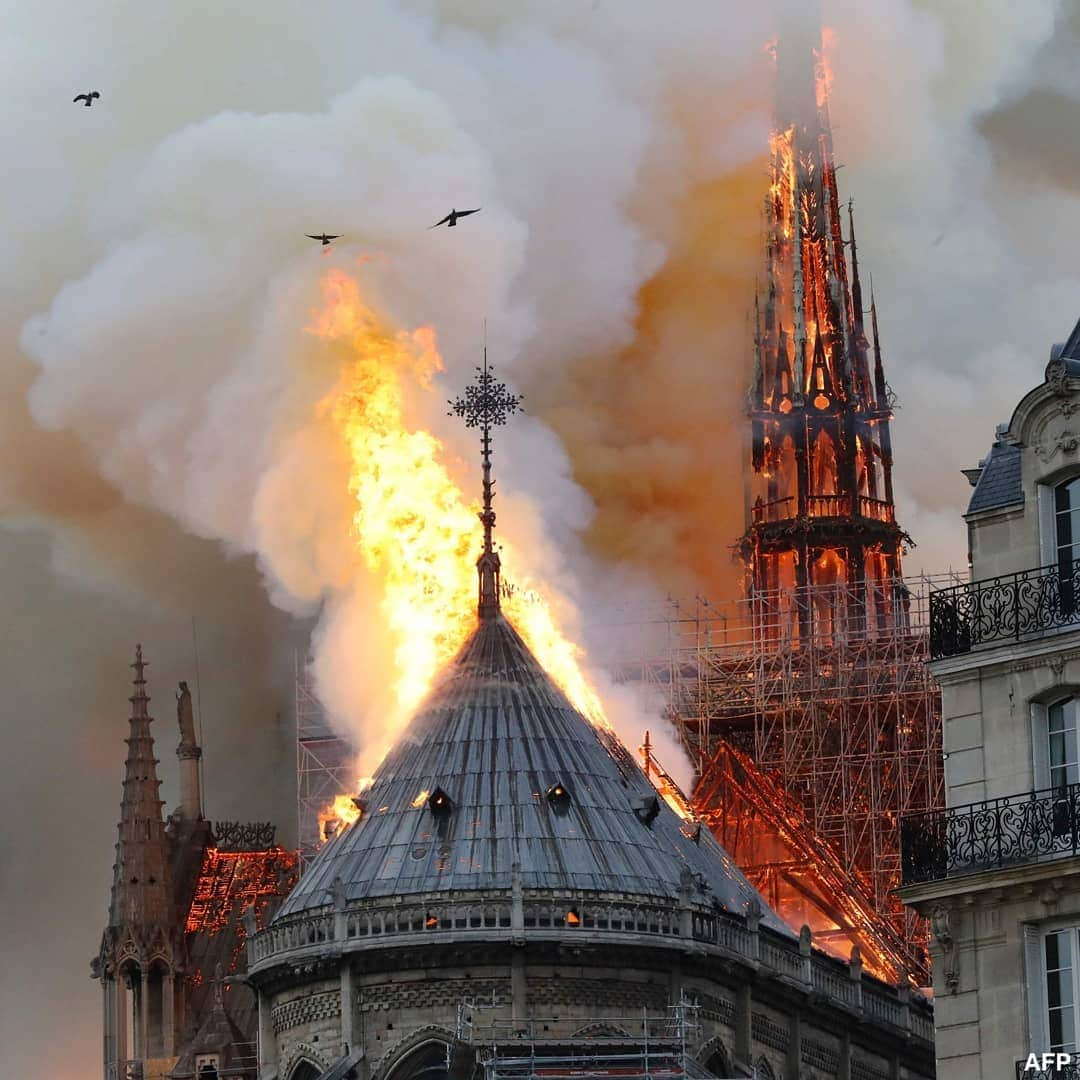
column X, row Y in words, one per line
column 486, row 404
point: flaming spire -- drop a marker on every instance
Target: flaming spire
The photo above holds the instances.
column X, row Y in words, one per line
column 821, row 488
column 486, row 404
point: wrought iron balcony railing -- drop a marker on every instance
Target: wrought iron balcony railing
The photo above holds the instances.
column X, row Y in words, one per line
column 1066, row 1072
column 1011, row 831
column 1006, row 608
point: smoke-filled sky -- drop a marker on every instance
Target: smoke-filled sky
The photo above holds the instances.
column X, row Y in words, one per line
column 155, row 286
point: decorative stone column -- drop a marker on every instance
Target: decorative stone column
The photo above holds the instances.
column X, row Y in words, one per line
column 753, row 921
column 744, row 1020
column 108, row 1017
column 121, row 1012
column 142, row 1041
column 806, row 955
column 267, row 1039
column 348, row 1007
column 855, row 974
column 168, row 1014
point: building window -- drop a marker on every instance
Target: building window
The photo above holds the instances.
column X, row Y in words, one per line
column 1067, row 521
column 1067, row 539
column 1060, row 955
column 1062, row 744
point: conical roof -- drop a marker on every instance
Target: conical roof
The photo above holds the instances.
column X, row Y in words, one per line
column 498, row 741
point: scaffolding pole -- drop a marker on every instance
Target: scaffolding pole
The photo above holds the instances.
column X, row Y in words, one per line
column 324, row 760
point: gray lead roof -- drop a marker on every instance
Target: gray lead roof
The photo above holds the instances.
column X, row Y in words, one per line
column 495, row 735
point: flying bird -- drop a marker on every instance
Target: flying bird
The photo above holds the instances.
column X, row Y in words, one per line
column 324, row 238
column 451, row 219
column 86, row 99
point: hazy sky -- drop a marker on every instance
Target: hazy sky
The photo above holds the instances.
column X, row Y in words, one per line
column 155, row 281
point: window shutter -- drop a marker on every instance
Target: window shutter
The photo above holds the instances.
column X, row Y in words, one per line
column 1035, row 983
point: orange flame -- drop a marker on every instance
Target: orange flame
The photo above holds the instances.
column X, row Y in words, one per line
column 415, row 529
column 824, row 72
column 338, row 815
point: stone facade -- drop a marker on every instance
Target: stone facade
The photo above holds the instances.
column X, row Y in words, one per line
column 1007, row 874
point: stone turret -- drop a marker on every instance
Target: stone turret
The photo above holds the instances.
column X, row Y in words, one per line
column 141, row 894
column 139, row 959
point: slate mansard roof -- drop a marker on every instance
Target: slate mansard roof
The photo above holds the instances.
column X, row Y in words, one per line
column 495, row 736
column 999, row 483
column 997, row 479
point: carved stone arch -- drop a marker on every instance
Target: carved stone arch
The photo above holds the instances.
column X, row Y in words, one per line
column 599, row 1031
column 304, row 1070
column 714, row 1056
column 300, row 1055
column 763, row 1070
column 397, row 1053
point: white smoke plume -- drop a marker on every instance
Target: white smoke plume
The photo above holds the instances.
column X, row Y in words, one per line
column 156, row 283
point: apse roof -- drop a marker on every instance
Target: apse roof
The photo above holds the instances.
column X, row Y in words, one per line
column 525, row 780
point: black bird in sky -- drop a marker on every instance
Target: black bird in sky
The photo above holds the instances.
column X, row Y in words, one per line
column 87, row 99
column 451, row 219
column 324, row 238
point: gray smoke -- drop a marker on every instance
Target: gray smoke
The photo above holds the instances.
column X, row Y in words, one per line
column 156, row 283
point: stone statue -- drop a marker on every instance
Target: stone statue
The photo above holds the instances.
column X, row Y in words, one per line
column 185, row 717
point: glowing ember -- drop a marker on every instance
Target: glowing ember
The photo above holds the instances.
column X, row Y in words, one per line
column 420, row 799
column 416, row 531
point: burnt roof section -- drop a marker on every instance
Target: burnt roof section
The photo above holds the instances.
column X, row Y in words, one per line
column 495, row 734
column 999, row 483
column 228, row 885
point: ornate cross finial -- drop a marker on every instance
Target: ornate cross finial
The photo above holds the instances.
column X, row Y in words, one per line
column 486, row 404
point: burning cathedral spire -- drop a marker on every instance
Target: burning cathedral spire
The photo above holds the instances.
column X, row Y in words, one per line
column 821, row 487
column 831, row 709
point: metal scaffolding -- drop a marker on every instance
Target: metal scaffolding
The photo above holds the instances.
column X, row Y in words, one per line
column 641, row 1047
column 323, row 763
column 826, row 692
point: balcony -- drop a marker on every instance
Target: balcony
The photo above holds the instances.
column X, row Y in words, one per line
column 1037, row 826
column 823, row 506
column 1008, row 608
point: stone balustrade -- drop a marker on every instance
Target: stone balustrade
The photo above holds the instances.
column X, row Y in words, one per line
column 363, row 923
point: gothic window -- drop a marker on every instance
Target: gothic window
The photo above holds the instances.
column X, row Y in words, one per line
column 824, row 461
column 788, row 473
column 305, row 1071
column 206, row 1067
